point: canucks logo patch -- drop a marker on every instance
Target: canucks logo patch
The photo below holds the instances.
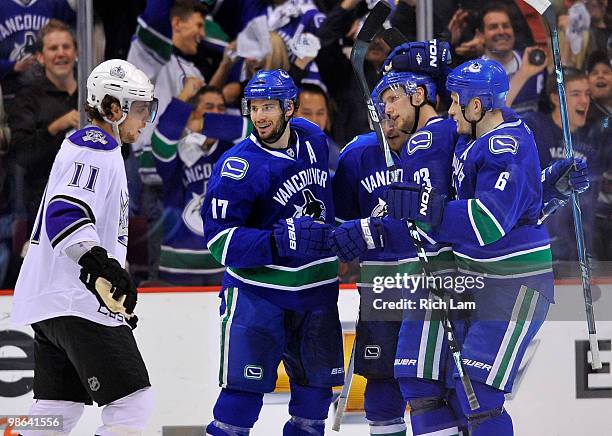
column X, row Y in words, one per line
column 499, row 144
column 234, row 168
column 253, row 372
column 312, row 207
column 419, row 141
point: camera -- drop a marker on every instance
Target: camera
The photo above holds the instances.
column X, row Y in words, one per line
column 537, row 57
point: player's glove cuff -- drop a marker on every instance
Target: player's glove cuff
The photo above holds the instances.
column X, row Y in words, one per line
column 353, row 238
column 301, row 237
column 108, row 281
column 425, row 57
column 411, row 201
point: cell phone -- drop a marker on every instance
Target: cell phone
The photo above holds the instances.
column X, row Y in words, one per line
column 537, row 57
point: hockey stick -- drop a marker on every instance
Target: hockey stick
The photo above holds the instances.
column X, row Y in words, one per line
column 357, row 59
column 370, row 28
column 393, row 37
column 348, row 380
column 545, row 9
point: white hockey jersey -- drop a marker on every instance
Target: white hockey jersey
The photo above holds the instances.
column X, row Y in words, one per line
column 86, row 199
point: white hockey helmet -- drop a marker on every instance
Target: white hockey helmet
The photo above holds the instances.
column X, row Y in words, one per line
column 122, row 80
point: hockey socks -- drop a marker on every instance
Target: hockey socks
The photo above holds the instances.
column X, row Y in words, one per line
column 308, row 408
column 430, row 414
column 235, row 413
column 491, row 418
column 385, row 408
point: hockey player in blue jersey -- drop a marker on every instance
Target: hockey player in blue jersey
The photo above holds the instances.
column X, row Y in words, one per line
column 492, row 226
column 184, row 159
column 359, row 184
column 409, row 99
column 266, row 218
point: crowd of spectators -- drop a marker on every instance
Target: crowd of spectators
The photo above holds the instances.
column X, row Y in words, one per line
column 200, row 54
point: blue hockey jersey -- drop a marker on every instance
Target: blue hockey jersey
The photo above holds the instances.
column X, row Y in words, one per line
column 184, row 257
column 493, row 222
column 20, row 21
column 251, row 189
column 361, row 180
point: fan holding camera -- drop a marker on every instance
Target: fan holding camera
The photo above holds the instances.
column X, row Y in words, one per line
column 527, row 71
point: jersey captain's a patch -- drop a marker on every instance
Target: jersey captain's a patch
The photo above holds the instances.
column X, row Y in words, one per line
column 419, row 141
column 499, row 144
column 95, row 136
column 234, row 168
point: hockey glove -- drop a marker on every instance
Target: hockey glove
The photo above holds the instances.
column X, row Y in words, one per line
column 424, row 57
column 353, row 238
column 560, row 178
column 301, row 237
column 411, row 201
column 108, row 281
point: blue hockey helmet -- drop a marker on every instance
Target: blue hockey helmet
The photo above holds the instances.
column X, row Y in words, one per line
column 482, row 78
column 408, row 81
column 270, row 85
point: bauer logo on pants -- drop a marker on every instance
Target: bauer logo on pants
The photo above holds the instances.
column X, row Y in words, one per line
column 593, row 383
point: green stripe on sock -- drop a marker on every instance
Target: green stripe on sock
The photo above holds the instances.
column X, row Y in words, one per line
column 516, row 333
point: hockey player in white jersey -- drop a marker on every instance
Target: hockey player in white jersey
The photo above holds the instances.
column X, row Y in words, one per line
column 73, row 289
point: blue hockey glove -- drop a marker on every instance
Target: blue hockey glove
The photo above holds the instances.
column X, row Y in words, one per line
column 301, row 237
column 411, row 201
column 560, row 178
column 353, row 238
column 425, row 57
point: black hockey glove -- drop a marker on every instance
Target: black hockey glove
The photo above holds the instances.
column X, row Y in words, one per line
column 108, row 281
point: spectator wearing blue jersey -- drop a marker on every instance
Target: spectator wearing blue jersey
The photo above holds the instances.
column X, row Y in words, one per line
column 184, row 158
column 590, row 143
column 20, row 21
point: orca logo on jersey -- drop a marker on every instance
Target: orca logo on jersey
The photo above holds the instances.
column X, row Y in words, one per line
column 380, row 210
column 191, row 214
column 499, row 144
column 234, row 168
column 312, row 207
column 419, row 141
